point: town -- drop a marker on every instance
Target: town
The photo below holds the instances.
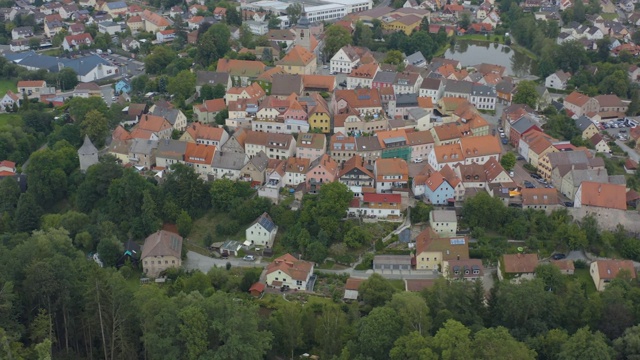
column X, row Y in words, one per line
column 351, row 179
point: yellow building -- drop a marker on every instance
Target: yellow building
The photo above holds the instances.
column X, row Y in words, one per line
column 299, row 61
column 432, row 251
column 587, row 128
column 319, row 118
column 405, row 23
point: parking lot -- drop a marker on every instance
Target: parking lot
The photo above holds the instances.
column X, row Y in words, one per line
column 618, row 129
column 127, row 67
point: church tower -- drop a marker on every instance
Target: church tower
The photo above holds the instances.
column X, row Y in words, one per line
column 303, row 33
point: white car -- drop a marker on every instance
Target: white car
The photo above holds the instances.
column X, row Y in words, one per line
column 511, row 174
column 249, row 258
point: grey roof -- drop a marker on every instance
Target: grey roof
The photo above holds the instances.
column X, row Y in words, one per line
column 617, row 179
column 416, row 59
column 505, row 86
column 406, row 100
column 229, row 160
column 368, row 143
column 417, row 113
column 23, row 30
column 431, row 83
column 583, row 123
column 212, row 78
column 260, row 161
column 265, row 221
column 386, row 77
column 392, row 260
column 567, row 158
column 444, row 215
column 285, row 84
column 482, row 90
column 168, row 113
column 476, row 76
column 117, row 5
column 142, row 146
column 171, row 149
column 595, row 175
column 523, row 124
column 459, row 87
column 84, row 65
column 87, row 147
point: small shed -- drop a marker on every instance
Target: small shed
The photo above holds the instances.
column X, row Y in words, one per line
column 405, row 236
column 230, row 247
column 351, row 288
column 257, row 289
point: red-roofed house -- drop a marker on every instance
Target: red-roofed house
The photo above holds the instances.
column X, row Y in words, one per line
column 7, row 168
column 289, row 271
column 603, row 271
column 602, row 195
column 200, row 158
column 8, row 100
column 207, row 111
column 73, row 42
column 380, row 206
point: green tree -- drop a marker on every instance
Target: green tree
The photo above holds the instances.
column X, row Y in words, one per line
column 331, row 331
column 80, row 107
column 187, row 190
column 335, row 37
column 465, row 21
column 548, row 345
column 109, row 249
column 412, row 347
column 394, row 57
column 453, row 341
column 508, row 161
column 420, row 213
column 67, row 78
column 274, row 23
column 286, row 325
column 148, row 220
column 497, row 343
column 376, row 333
column 184, row 223
column 412, row 309
column 376, row 291
column 96, row 126
column 585, row 345
column 223, row 192
column 10, row 190
column 357, row 237
column 628, row 345
column 213, row 44
column 294, row 11
column 156, row 62
column 193, row 331
column 526, row 94
column 28, row 213
column 246, row 37
column 182, row 85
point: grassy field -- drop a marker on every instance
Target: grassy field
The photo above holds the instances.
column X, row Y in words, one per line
column 7, row 85
column 585, row 278
column 10, row 119
column 480, row 37
column 206, row 226
column 608, row 16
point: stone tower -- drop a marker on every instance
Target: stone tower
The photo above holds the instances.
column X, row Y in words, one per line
column 88, row 154
column 303, row 33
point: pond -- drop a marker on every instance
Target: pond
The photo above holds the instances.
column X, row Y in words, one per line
column 471, row 53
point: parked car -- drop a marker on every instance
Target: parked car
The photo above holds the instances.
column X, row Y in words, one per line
column 501, row 130
column 528, row 184
column 505, row 141
column 558, row 256
column 249, row 258
column 417, row 160
column 512, row 174
column 520, row 157
column 568, row 203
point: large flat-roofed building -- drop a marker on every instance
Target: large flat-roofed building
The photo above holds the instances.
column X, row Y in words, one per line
column 316, row 11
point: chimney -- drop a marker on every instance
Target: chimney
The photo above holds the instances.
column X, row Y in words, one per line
column 599, row 188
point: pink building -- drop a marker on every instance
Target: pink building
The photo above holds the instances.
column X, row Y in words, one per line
column 322, row 170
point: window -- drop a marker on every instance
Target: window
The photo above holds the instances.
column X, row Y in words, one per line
column 299, row 283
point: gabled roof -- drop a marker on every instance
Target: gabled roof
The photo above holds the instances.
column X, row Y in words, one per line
column 31, row 83
column 297, row 165
column 577, row 99
column 171, row 149
column 205, row 132
column 360, row 98
column 265, row 221
column 298, row 56
column 199, row 153
column 520, row 263
column 156, row 19
column 153, row 123
column 583, row 123
column 539, row 196
column 392, row 166
column 450, row 247
column 611, row 196
column 296, row 269
column 473, row 146
column 162, row 243
column 229, row 160
column 609, row 269
column 448, row 153
column 355, row 162
column 286, row 84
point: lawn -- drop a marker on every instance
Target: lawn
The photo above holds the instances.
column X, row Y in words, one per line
column 275, row 301
column 206, row 226
column 10, row 119
column 607, row 16
column 7, row 85
column 585, row 278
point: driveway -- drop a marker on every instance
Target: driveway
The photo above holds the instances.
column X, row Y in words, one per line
column 205, row 263
column 632, row 153
column 107, row 93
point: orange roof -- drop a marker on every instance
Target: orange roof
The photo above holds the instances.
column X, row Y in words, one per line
column 8, row 164
column 156, row 19
column 319, row 82
column 360, row 98
column 353, row 283
column 138, row 133
column 435, row 180
column 392, row 167
column 196, row 19
column 419, row 138
column 474, row 146
column 605, row 195
column 428, row 240
column 31, row 83
column 565, row 264
column 450, row 175
column 330, row 165
column 120, row 134
column 254, row 91
column 366, row 71
column 13, row 96
column 520, row 263
column 207, row 132
column 199, row 153
column 214, row 105
column 268, row 75
column 577, row 98
column 153, row 123
column 447, row 131
column 425, row 102
column 134, row 19
column 298, row 56
column 297, row 165
column 609, row 269
column 241, row 67
column 356, row 162
column 383, row 135
column 448, row 153
column 296, row 269
column 539, row 196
